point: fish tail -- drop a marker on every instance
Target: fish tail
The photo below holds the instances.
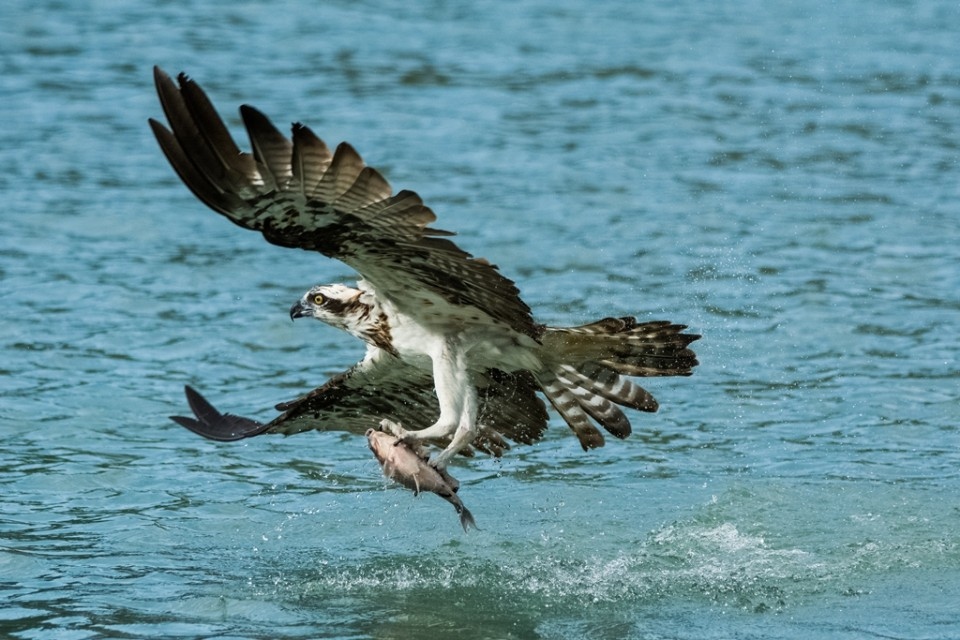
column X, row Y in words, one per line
column 466, row 519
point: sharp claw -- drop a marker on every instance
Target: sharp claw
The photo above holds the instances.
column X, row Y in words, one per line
column 391, row 427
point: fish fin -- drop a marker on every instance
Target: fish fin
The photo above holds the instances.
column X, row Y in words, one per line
column 416, row 484
column 387, row 468
column 452, row 482
column 419, row 451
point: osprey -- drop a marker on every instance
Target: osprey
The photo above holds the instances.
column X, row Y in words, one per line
column 450, row 346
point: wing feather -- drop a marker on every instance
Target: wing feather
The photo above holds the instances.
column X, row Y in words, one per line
column 300, row 195
column 272, row 152
column 386, row 387
column 211, row 424
column 369, row 188
column 198, row 183
column 340, row 175
column 203, row 135
column 311, row 159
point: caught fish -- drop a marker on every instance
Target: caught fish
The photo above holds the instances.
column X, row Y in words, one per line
column 409, row 467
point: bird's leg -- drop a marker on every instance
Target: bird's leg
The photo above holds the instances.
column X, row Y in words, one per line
column 466, row 431
column 462, row 439
column 455, row 392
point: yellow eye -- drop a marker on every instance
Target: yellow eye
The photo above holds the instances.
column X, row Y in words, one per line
column 318, row 299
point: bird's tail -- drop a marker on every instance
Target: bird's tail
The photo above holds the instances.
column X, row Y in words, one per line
column 585, row 376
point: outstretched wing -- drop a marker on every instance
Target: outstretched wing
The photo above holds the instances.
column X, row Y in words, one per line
column 362, row 396
column 299, row 194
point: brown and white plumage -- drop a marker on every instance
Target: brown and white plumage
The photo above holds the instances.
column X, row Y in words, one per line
column 300, row 194
column 449, row 340
column 367, row 393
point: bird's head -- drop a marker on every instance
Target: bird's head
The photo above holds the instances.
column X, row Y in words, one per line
column 335, row 304
column 352, row 310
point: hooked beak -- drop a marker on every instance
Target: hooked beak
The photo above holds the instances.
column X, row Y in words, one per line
column 298, row 310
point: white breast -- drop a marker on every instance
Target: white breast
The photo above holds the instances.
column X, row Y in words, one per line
column 484, row 346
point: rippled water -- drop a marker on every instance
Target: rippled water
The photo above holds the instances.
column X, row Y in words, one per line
column 783, row 178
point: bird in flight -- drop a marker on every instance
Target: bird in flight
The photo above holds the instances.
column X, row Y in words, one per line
column 453, row 355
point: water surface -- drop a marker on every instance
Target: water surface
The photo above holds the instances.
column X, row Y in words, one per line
column 784, row 179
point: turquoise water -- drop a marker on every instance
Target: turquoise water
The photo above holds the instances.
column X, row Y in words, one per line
column 783, row 178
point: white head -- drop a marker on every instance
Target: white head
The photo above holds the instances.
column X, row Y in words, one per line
column 346, row 308
column 335, row 304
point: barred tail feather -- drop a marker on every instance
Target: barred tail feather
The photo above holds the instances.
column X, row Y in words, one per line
column 609, row 384
column 587, row 379
column 565, row 402
column 656, row 348
column 596, row 405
